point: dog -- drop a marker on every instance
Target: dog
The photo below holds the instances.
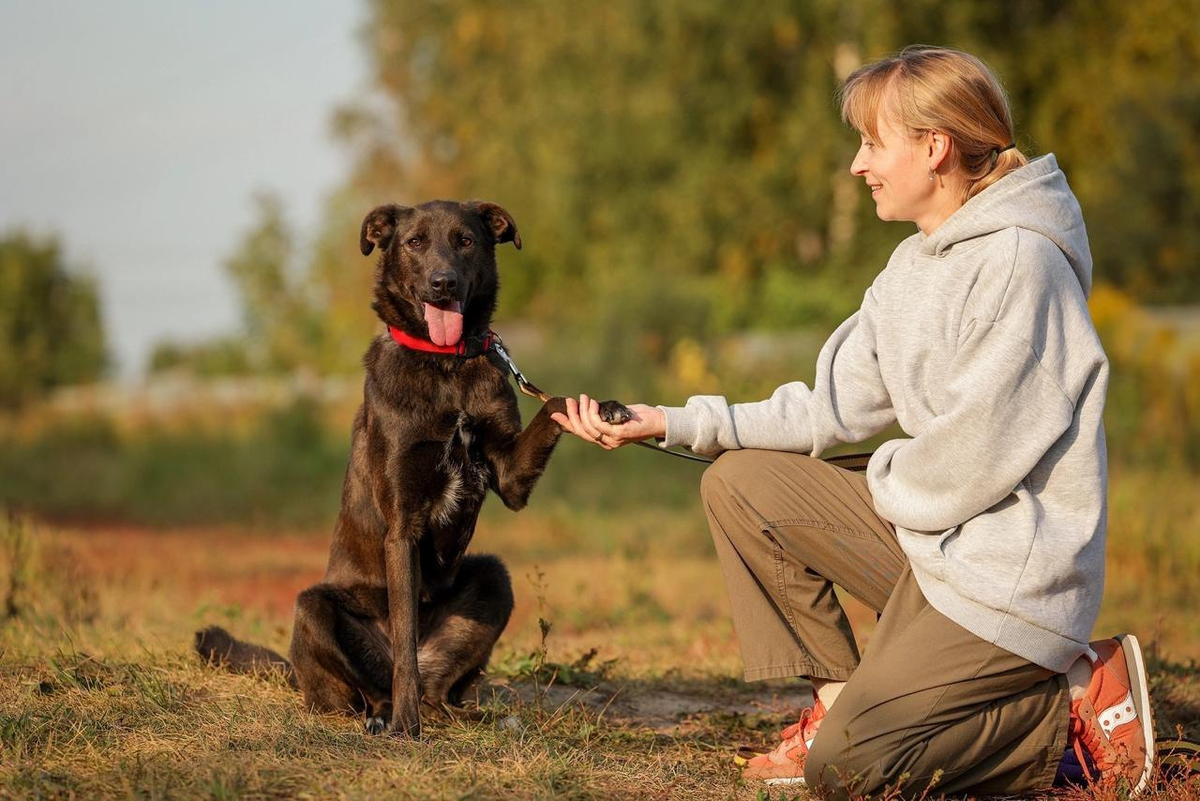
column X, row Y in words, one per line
column 404, row 616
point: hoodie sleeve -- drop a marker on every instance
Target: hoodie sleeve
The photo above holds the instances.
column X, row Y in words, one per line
column 1010, row 394
column 847, row 403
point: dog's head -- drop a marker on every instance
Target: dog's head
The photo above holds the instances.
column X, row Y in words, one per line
column 437, row 266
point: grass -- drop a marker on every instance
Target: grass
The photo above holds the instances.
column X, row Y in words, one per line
column 631, row 690
column 618, row 675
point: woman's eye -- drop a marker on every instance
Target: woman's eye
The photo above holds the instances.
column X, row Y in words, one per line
column 466, row 241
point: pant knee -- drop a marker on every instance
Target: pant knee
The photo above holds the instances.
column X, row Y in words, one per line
column 817, row 766
column 722, row 478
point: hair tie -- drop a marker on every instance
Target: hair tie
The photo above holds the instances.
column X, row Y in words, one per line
column 995, row 156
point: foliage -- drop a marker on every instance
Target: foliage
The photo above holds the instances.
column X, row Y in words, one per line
column 660, row 149
column 1152, row 416
column 679, row 170
column 223, row 356
column 281, row 320
column 50, row 328
column 286, row 470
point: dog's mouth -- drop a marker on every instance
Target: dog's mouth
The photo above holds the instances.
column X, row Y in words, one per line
column 445, row 322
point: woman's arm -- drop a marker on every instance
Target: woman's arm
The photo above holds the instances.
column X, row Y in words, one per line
column 847, row 402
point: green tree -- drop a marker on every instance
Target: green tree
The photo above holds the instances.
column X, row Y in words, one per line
column 282, row 325
column 679, row 170
column 50, row 328
column 695, row 147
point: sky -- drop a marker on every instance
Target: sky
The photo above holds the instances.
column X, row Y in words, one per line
column 139, row 133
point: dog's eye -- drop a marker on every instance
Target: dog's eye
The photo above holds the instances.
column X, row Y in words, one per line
column 414, row 242
column 466, row 241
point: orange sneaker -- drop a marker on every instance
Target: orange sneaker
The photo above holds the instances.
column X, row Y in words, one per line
column 785, row 764
column 1111, row 728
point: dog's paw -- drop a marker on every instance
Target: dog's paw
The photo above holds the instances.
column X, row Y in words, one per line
column 614, row 412
column 376, row 726
column 405, row 725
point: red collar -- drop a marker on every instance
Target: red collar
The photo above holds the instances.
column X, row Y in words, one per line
column 458, row 349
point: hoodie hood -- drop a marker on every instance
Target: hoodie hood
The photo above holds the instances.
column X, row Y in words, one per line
column 1035, row 197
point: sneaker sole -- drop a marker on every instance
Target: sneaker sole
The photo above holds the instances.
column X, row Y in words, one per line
column 795, row 780
column 1138, row 688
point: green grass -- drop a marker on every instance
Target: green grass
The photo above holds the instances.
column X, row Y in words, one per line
column 630, row 690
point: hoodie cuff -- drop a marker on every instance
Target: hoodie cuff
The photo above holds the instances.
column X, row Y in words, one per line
column 681, row 427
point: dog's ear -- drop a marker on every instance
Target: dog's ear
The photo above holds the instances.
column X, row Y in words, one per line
column 379, row 226
column 498, row 222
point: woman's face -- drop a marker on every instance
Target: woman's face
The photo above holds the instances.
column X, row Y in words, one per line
column 896, row 168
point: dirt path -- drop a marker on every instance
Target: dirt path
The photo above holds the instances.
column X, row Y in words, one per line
column 666, row 711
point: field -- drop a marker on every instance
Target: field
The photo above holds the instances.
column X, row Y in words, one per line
column 154, row 513
column 633, row 691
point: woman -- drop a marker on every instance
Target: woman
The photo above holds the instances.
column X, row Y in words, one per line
column 980, row 536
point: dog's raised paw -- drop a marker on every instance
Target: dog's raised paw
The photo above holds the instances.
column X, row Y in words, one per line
column 376, row 725
column 614, row 412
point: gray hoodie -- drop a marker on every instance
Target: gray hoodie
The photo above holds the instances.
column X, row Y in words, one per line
column 978, row 341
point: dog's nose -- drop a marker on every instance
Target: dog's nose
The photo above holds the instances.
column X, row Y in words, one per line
column 444, row 282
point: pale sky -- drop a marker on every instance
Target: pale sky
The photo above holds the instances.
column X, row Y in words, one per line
column 140, row 131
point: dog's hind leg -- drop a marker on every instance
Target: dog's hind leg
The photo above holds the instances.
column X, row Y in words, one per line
column 341, row 656
column 457, row 637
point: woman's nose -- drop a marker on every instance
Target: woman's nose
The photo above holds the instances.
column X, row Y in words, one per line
column 859, row 165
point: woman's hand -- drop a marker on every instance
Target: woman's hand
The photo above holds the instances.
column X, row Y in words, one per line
column 583, row 420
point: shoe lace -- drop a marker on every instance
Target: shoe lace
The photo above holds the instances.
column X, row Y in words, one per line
column 799, row 727
column 1088, row 745
column 805, row 728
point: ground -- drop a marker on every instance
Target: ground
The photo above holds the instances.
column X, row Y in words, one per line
column 631, row 689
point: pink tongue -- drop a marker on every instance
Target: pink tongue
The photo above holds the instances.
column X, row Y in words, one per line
column 445, row 325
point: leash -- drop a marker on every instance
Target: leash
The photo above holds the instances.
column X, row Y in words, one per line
column 855, row 462
column 527, row 388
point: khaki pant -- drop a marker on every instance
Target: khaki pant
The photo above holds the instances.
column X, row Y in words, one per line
column 929, row 702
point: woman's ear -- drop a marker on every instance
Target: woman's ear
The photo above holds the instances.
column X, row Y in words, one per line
column 940, row 145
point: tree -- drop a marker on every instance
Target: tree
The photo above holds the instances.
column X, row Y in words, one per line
column 281, row 327
column 684, row 148
column 50, row 328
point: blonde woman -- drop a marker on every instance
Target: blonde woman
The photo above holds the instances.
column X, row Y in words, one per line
column 979, row 536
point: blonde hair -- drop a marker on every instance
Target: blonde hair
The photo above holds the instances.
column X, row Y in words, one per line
column 939, row 89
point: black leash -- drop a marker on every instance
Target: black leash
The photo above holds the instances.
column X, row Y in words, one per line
column 856, row 462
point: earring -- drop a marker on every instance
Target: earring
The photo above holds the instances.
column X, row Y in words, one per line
column 931, row 175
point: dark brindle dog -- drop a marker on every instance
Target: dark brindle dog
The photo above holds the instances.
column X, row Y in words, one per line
column 403, row 616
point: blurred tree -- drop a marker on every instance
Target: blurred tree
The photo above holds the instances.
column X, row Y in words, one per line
column 217, row 357
column 281, row 325
column 684, row 149
column 679, row 170
column 50, row 328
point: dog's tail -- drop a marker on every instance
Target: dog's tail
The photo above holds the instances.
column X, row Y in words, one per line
column 218, row 647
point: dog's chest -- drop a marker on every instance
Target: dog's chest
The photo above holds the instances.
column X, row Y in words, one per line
column 465, row 474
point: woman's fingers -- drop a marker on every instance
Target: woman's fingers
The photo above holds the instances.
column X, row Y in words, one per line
column 605, row 434
column 588, row 417
column 573, row 415
column 582, row 419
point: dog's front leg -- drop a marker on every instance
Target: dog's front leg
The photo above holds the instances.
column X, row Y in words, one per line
column 404, row 580
column 519, row 457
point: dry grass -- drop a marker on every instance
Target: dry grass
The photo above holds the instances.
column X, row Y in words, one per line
column 100, row 697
